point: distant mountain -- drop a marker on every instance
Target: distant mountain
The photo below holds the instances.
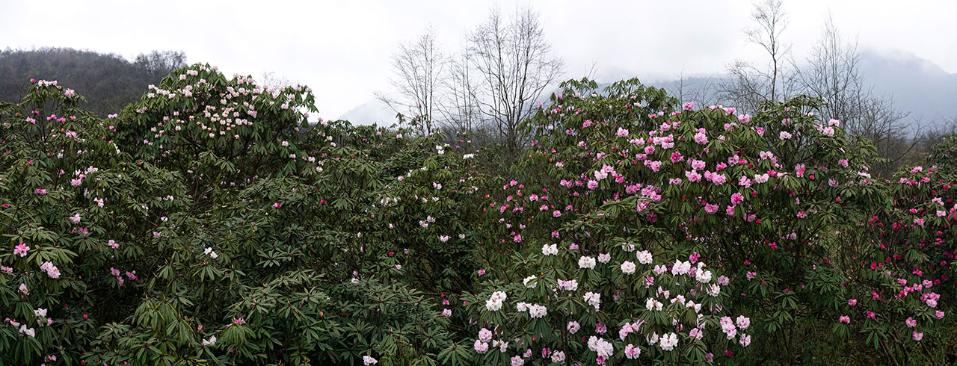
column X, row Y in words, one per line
column 917, row 86
column 369, row 113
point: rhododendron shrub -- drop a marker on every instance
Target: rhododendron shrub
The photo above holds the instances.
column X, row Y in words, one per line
column 765, row 196
column 135, row 239
column 219, row 131
column 425, row 218
column 619, row 305
column 74, row 213
column 900, row 278
column 211, row 222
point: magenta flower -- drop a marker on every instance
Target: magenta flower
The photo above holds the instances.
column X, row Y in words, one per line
column 573, row 327
column 917, row 336
column 600, row 328
column 737, row 198
column 692, row 176
column 21, row 249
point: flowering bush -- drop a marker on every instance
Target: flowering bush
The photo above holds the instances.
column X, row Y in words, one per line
column 673, row 315
column 895, row 296
column 768, row 196
column 210, row 222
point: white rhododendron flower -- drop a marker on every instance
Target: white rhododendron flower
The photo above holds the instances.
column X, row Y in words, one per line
column 604, row 258
column 550, row 249
column 628, row 267
column 680, row 268
column 209, row 342
column 600, row 346
column 593, row 299
column 537, row 311
column 494, row 303
column 570, row 285
column 668, row 341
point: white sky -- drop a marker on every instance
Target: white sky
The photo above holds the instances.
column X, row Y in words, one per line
column 341, row 48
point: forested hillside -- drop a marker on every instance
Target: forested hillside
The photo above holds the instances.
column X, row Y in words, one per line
column 108, row 81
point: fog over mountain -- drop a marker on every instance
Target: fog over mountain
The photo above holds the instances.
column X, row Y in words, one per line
column 917, row 86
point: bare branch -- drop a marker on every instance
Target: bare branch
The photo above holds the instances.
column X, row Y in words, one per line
column 418, row 69
column 514, row 66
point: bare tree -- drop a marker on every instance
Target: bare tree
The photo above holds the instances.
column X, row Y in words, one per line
column 160, row 63
column 832, row 73
column 751, row 85
column 702, row 90
column 514, row 66
column 459, row 104
column 274, row 80
column 418, row 68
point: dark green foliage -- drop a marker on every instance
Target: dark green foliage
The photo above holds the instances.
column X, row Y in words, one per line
column 210, row 223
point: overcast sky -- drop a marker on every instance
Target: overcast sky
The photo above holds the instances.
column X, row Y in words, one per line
column 341, row 49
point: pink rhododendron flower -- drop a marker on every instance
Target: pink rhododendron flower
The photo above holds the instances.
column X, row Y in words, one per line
column 50, row 269
column 917, row 336
column 737, row 198
column 480, row 347
column 573, row 327
column 21, row 249
column 701, row 137
column 632, row 352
